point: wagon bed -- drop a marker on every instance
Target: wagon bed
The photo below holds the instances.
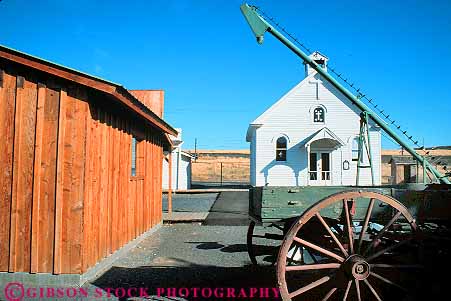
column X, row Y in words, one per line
column 269, row 204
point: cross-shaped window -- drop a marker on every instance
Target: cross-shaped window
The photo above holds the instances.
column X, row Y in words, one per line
column 318, row 115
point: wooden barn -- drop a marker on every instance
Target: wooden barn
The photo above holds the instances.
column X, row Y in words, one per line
column 81, row 170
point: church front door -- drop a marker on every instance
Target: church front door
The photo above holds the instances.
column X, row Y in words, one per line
column 319, row 168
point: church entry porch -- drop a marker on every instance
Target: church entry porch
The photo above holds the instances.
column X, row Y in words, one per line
column 320, row 148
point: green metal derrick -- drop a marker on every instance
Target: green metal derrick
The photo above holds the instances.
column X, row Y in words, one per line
column 260, row 26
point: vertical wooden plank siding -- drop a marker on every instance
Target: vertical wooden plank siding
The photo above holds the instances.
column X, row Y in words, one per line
column 67, row 197
column 22, row 191
column 149, row 157
column 155, row 177
column 45, row 217
column 35, row 241
column 77, row 181
column 151, row 176
column 103, row 182
column 128, row 185
column 148, row 209
column 95, row 199
column 7, row 113
column 73, row 155
column 87, row 205
column 122, row 175
column 126, row 206
column 59, row 183
column 118, row 187
column 159, row 178
column 111, row 184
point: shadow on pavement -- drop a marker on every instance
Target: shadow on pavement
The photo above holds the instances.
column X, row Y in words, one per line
column 189, row 276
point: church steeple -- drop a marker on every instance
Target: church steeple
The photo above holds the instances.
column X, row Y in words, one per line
column 320, row 59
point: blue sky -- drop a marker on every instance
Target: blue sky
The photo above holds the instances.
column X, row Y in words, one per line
column 217, row 78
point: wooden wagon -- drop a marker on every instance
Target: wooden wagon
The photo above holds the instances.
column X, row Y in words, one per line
column 345, row 235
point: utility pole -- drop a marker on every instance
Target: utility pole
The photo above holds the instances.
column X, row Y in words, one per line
column 195, row 149
column 221, row 174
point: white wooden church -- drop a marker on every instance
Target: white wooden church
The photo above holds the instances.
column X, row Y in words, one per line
column 310, row 137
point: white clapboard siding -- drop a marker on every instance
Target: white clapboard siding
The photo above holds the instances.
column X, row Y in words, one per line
column 253, row 153
column 184, row 179
column 292, row 117
column 181, row 172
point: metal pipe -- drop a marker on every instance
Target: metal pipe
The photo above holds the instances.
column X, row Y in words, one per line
column 259, row 26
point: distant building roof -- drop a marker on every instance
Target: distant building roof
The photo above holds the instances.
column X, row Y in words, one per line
column 402, row 160
column 440, row 147
column 434, row 160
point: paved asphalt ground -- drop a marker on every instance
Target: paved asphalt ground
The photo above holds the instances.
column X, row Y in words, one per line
column 186, row 256
column 185, row 202
column 230, row 209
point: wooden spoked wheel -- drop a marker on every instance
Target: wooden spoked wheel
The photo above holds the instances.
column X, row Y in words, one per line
column 360, row 246
column 263, row 243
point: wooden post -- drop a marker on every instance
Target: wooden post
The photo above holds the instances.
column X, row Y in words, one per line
column 170, row 184
column 221, row 174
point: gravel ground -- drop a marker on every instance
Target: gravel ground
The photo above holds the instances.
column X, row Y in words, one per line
column 184, row 202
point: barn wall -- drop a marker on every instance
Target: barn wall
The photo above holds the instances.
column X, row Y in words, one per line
column 42, row 163
column 119, row 207
column 67, row 198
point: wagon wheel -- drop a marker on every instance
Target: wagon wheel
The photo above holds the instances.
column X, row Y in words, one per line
column 264, row 243
column 365, row 255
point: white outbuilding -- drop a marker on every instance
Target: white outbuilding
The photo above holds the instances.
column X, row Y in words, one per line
column 310, row 137
column 181, row 166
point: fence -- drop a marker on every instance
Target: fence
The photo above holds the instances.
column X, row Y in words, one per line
column 228, row 173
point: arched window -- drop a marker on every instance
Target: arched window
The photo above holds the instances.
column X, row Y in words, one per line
column 281, row 149
column 319, row 115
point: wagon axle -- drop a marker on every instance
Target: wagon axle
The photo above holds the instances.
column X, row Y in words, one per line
column 356, row 267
